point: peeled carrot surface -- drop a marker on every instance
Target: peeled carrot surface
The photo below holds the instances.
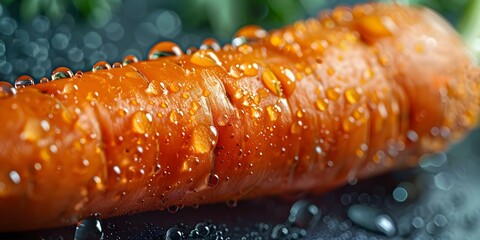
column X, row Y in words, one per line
column 354, row 93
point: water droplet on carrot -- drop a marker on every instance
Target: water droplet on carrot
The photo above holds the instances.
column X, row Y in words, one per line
column 273, row 112
column 101, row 65
column 194, row 108
column 129, row 59
column 287, row 79
column 164, row 49
column 79, row 74
column 117, row 65
column 247, row 34
column 210, row 43
column 205, row 58
column 271, row 82
column 213, row 180
column 321, row 104
column 249, row 69
column 203, row 139
column 353, row 95
column 6, row 89
column 61, row 72
column 191, row 50
column 372, row 27
column 44, row 80
column 23, row 81
column 141, row 122
column 333, row 93
column 296, row 127
column 348, row 124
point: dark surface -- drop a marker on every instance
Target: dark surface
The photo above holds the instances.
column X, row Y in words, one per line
column 438, row 200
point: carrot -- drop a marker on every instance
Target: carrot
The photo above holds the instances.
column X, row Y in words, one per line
column 355, row 93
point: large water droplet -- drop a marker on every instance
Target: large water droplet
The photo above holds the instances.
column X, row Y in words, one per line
column 353, row 95
column 287, row 79
column 304, row 214
column 271, row 82
column 101, row 65
column 23, row 81
column 205, row 58
column 372, row 27
column 202, row 229
column 141, row 122
column 164, row 49
column 372, row 219
column 129, row 59
column 89, row 229
column 247, row 34
column 174, row 234
column 61, row 72
column 6, row 89
column 211, row 44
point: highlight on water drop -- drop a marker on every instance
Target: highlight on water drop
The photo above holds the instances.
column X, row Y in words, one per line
column 23, row 81
column 129, row 59
column 61, row 72
column 101, row 65
column 164, row 49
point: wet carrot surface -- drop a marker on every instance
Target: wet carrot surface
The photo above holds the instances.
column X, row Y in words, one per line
column 308, row 107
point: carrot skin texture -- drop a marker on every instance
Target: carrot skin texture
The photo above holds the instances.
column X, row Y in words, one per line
column 373, row 88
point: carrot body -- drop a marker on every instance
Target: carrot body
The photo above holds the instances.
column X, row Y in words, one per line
column 352, row 94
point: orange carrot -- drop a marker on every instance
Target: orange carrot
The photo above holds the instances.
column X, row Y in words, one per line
column 355, row 93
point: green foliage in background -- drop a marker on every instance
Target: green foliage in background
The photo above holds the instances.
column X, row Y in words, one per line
column 224, row 16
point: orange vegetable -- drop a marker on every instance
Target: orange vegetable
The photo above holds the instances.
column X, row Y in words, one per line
column 307, row 107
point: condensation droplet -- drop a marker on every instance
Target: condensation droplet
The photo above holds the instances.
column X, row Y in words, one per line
column 353, row 95
column 210, row 43
column 23, row 81
column 129, row 59
column 44, row 80
column 271, row 82
column 6, row 89
column 101, row 65
column 205, row 58
column 213, row 180
column 174, row 234
column 61, row 72
column 333, row 93
column 117, row 65
column 141, row 122
column 89, row 229
column 248, row 34
column 321, row 104
column 164, row 49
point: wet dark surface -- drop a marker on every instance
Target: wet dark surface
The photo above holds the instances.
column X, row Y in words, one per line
column 438, row 200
